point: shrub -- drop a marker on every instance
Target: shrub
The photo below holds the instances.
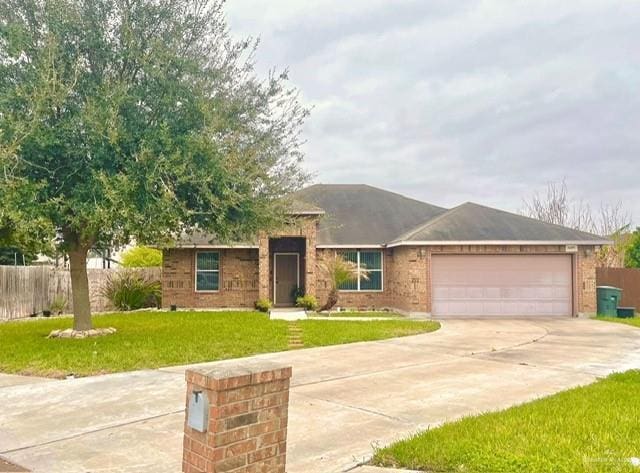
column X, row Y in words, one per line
column 58, row 305
column 340, row 271
column 141, row 257
column 632, row 255
column 129, row 290
column 298, row 292
column 308, row 302
column 263, row 305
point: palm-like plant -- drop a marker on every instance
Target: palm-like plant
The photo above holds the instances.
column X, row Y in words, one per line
column 340, row 271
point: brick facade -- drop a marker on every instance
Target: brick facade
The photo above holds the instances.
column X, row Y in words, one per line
column 304, row 231
column 238, row 285
column 585, row 267
column 246, row 431
column 247, row 274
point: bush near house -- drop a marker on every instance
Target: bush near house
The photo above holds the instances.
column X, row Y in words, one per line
column 141, row 257
column 129, row 290
column 263, row 305
column 307, row 302
column 340, row 271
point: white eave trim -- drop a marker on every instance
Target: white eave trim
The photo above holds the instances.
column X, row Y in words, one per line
column 500, row 242
column 349, row 246
column 211, row 246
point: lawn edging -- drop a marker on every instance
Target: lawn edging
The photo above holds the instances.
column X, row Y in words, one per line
column 632, row 321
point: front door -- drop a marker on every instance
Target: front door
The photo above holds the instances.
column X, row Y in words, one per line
column 286, row 277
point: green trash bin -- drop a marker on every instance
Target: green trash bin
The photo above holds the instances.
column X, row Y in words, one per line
column 608, row 300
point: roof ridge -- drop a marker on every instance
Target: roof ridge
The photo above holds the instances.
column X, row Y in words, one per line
column 537, row 220
column 427, row 224
column 379, row 189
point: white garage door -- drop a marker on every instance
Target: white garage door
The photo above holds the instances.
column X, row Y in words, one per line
column 506, row 285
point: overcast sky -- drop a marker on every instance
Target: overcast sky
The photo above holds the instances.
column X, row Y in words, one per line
column 452, row 101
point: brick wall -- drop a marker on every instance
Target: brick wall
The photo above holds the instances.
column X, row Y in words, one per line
column 356, row 300
column 238, row 279
column 586, row 262
column 304, row 227
column 404, row 282
column 407, row 276
column 247, row 419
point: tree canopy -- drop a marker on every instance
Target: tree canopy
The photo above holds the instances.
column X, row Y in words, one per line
column 142, row 119
column 632, row 254
column 15, row 256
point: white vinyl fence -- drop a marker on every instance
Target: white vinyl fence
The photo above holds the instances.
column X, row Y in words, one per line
column 26, row 290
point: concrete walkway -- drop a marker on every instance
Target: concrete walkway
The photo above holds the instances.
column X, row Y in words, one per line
column 344, row 400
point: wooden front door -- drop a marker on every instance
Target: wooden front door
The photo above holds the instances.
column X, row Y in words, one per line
column 286, row 275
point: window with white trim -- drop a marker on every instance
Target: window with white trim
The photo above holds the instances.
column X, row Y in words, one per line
column 369, row 270
column 207, row 271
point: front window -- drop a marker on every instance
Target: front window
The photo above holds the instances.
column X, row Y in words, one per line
column 368, row 270
column 207, row 271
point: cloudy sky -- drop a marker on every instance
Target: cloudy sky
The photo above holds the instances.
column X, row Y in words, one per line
column 453, row 101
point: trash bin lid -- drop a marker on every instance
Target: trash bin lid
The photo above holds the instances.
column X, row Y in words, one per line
column 609, row 287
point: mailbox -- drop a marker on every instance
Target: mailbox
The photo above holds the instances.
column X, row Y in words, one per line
column 198, row 416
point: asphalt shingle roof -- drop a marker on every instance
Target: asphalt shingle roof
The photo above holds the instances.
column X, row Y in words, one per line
column 359, row 215
column 364, row 215
column 474, row 222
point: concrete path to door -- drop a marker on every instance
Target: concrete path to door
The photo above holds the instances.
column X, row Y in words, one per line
column 345, row 399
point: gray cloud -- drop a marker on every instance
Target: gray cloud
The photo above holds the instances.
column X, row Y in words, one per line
column 467, row 100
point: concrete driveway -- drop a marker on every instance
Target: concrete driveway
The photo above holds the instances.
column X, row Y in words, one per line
column 345, row 399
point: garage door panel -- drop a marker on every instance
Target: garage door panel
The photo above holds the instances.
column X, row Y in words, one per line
column 509, row 285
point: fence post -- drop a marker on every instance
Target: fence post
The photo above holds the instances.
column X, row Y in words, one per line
column 236, row 418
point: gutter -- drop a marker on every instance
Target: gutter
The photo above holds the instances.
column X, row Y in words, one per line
column 499, row 242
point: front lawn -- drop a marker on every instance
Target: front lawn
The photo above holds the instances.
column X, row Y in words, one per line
column 591, row 428
column 635, row 321
column 155, row 339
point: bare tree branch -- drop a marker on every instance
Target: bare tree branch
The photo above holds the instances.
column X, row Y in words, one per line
column 610, row 221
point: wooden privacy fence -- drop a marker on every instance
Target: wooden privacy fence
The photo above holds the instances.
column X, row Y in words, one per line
column 627, row 279
column 26, row 290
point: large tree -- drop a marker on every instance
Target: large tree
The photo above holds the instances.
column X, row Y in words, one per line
column 142, row 119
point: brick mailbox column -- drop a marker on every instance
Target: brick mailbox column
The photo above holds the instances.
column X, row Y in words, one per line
column 245, row 424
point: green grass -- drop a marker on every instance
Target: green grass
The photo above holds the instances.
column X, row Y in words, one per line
column 155, row 339
column 377, row 313
column 587, row 429
column 635, row 321
column 316, row 333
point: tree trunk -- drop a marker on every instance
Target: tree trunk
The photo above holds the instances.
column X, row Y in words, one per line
column 332, row 300
column 80, row 288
